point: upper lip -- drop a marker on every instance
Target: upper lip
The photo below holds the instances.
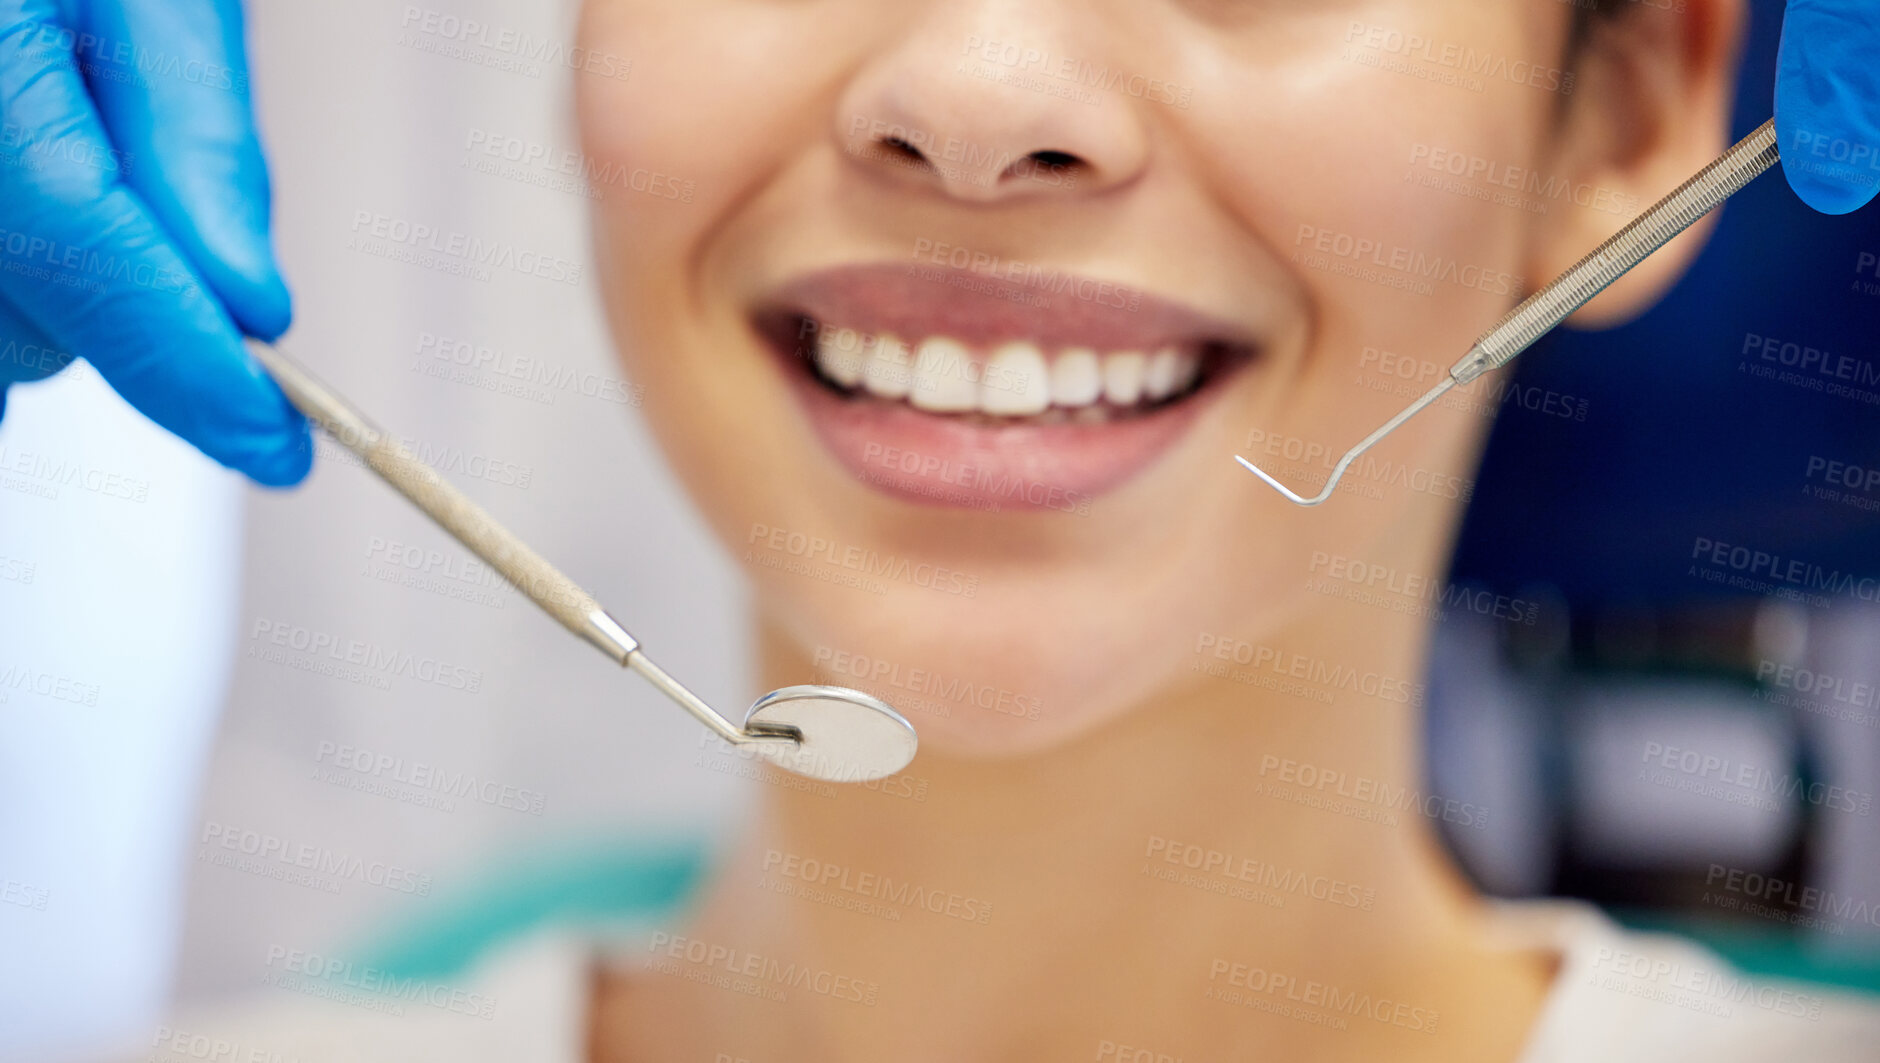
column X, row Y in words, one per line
column 981, row 308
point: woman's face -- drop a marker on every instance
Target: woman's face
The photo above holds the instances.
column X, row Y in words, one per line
column 953, row 315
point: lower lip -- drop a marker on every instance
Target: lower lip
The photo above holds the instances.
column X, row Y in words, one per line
column 950, row 463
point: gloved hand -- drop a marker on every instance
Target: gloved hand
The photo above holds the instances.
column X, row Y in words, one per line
column 1828, row 102
column 134, row 219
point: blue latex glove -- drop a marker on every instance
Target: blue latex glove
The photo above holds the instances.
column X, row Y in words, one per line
column 1828, row 102
column 134, row 219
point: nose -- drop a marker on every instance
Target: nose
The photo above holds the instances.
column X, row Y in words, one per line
column 984, row 106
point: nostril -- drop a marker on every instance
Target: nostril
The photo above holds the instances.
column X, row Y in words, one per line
column 903, row 149
column 1050, row 167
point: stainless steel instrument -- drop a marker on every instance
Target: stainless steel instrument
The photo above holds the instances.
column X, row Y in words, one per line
column 1539, row 313
column 824, row 732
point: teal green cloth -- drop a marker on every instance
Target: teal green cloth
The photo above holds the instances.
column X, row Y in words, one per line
column 641, row 883
column 573, row 884
column 1773, row 951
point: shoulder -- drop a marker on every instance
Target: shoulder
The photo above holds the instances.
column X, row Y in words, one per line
column 526, row 1001
column 1621, row 996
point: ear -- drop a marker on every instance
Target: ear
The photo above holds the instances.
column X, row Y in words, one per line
column 1650, row 107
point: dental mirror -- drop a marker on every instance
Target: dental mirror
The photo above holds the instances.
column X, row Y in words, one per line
column 833, row 734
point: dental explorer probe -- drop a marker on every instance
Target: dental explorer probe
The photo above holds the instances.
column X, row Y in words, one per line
column 1540, row 312
column 823, row 732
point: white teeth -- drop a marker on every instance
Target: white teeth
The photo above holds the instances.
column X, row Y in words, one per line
column 887, row 373
column 1170, row 370
column 840, row 364
column 1122, row 378
column 943, row 380
column 1017, row 382
column 1187, row 370
column 943, row 375
column 1076, row 378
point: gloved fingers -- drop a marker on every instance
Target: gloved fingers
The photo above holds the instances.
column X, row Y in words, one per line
column 120, row 296
column 170, row 78
column 92, row 270
column 1828, row 102
column 26, row 352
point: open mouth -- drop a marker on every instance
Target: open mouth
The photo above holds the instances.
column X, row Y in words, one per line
column 946, row 387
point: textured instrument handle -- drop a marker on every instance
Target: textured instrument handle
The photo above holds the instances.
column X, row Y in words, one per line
column 529, row 571
column 1540, row 312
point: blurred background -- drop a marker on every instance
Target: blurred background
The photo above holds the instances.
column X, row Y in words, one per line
column 1689, row 732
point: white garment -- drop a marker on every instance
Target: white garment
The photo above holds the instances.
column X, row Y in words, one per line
column 1618, row 997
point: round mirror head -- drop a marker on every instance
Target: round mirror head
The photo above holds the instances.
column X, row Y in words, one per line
column 848, row 736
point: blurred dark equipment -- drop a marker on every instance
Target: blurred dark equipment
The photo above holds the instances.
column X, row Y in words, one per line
column 1689, row 733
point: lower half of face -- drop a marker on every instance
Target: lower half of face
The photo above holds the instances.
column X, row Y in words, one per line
column 960, row 313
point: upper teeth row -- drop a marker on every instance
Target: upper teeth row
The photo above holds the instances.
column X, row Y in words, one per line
column 942, row 376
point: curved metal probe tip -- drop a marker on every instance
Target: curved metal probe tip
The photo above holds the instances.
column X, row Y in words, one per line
column 1338, row 471
column 1536, row 315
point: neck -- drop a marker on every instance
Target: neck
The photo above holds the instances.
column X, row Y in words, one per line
column 1227, row 868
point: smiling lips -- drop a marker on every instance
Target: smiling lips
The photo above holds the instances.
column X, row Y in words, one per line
column 951, row 388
